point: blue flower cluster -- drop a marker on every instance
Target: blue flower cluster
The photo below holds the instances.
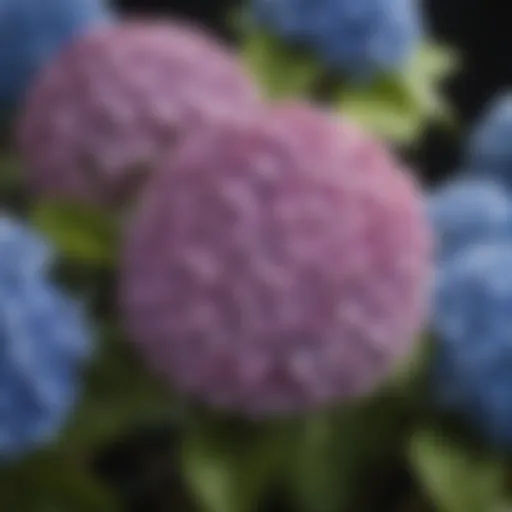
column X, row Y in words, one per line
column 360, row 38
column 468, row 210
column 44, row 340
column 472, row 313
column 490, row 145
column 32, row 31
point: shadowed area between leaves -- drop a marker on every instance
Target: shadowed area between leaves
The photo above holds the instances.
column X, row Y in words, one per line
column 142, row 470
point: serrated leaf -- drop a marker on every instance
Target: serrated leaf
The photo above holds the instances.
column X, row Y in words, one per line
column 382, row 118
column 81, row 233
column 383, row 108
column 397, row 106
column 280, row 70
column 425, row 72
column 453, row 475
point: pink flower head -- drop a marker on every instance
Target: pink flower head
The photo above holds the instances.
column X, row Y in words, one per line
column 277, row 264
column 100, row 116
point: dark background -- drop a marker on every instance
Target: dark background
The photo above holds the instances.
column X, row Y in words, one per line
column 479, row 29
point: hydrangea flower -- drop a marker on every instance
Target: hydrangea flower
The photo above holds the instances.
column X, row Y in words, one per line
column 272, row 270
column 358, row 37
column 23, row 251
column 489, row 150
column 98, row 120
column 44, row 339
column 468, row 210
column 32, row 32
column 472, row 320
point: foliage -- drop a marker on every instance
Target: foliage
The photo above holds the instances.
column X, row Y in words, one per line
column 455, row 476
column 82, row 234
column 394, row 106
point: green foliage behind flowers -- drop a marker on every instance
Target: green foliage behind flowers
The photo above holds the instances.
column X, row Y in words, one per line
column 395, row 105
column 82, row 234
column 455, row 475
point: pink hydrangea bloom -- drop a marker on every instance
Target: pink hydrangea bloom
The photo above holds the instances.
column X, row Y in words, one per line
column 277, row 264
column 101, row 115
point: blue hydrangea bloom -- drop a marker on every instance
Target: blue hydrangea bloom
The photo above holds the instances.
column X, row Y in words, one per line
column 32, row 31
column 489, row 149
column 473, row 323
column 468, row 210
column 44, row 340
column 23, row 251
column 358, row 37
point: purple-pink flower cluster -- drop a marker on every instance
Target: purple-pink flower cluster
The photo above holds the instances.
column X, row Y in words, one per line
column 99, row 117
column 276, row 258
column 276, row 264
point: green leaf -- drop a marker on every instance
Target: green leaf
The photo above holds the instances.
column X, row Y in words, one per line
column 82, row 234
column 455, row 476
column 431, row 65
column 316, row 474
column 382, row 110
column 398, row 106
column 229, row 473
column 210, row 474
column 435, row 61
column 336, row 453
column 280, row 70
